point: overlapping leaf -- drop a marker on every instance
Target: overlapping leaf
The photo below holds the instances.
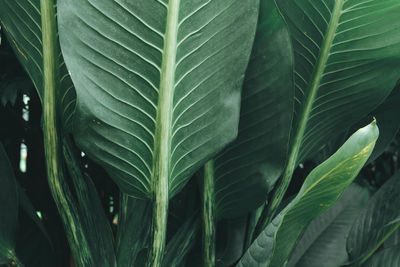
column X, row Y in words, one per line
column 347, row 60
column 158, row 83
column 248, row 168
column 321, row 189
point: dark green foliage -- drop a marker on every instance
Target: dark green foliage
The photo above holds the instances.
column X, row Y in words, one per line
column 267, row 92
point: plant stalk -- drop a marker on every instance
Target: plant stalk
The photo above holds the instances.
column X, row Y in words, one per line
column 209, row 215
column 52, row 145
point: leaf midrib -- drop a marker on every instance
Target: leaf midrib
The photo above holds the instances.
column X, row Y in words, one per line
column 316, row 76
column 162, row 139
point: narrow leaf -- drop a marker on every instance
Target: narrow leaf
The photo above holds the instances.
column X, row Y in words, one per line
column 321, row 189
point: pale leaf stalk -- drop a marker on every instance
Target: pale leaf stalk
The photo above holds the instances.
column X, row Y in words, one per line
column 55, row 173
column 162, row 139
column 209, row 216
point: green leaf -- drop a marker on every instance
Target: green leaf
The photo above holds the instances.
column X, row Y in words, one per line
column 389, row 257
column 321, row 189
column 182, row 242
column 92, row 218
column 376, row 222
column 346, row 63
column 324, row 241
column 133, row 230
column 158, row 83
column 248, row 168
column 8, row 207
column 21, row 21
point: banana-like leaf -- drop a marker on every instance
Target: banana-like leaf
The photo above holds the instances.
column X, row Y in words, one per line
column 21, row 21
column 376, row 222
column 8, row 207
column 324, row 241
column 158, row 84
column 248, row 168
column 347, row 61
column 389, row 257
column 321, row 189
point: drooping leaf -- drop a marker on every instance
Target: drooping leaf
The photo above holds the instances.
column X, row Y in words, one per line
column 248, row 168
column 346, row 63
column 321, row 189
column 8, row 207
column 376, row 222
column 324, row 241
column 21, row 21
column 158, row 84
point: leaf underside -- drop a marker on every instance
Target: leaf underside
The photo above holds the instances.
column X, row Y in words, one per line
column 157, row 82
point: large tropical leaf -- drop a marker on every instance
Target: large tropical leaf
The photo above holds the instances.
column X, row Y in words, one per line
column 8, row 207
column 321, row 189
column 376, row 222
column 158, row 84
column 324, row 241
column 347, row 61
column 248, row 168
column 22, row 23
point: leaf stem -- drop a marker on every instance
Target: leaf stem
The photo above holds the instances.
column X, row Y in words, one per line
column 162, row 140
column 52, row 146
column 209, row 216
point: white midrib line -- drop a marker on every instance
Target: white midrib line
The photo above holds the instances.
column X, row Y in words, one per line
column 162, row 138
column 162, row 142
column 317, row 75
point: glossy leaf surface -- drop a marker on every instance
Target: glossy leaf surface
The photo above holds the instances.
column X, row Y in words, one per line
column 321, row 189
column 158, row 84
column 248, row 168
